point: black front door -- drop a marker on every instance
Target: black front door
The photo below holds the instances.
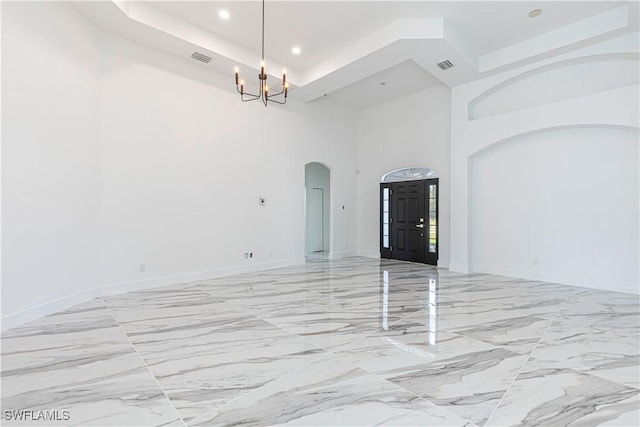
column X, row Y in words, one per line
column 408, row 229
column 409, row 221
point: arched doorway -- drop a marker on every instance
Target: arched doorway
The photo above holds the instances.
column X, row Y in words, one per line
column 317, row 183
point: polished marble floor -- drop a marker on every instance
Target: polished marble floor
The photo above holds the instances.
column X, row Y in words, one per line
column 356, row 341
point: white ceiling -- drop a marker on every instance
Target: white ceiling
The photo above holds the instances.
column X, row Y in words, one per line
column 348, row 47
column 323, row 28
column 399, row 80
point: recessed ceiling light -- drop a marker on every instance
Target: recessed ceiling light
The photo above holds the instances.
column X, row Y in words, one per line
column 223, row 14
column 535, row 13
column 295, row 50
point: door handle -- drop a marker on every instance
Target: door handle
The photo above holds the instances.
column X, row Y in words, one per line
column 420, row 225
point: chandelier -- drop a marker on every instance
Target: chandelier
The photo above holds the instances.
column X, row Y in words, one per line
column 263, row 93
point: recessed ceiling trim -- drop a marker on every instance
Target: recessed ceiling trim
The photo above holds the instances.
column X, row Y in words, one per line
column 156, row 18
column 580, row 31
column 422, row 40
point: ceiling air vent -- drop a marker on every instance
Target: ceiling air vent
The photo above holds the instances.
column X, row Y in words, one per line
column 445, row 65
column 200, row 57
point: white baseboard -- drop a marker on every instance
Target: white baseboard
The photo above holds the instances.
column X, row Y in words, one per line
column 605, row 284
column 41, row 310
column 33, row 313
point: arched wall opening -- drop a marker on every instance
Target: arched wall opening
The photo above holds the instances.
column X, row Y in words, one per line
column 559, row 205
column 317, row 183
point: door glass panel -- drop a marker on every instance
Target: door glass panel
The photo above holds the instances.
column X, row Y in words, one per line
column 385, row 218
column 432, row 218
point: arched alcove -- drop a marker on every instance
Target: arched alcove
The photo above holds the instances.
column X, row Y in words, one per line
column 558, row 204
column 553, row 82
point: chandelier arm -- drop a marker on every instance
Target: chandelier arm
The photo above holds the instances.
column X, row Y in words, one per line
column 250, row 94
column 247, row 93
column 277, row 102
column 253, row 97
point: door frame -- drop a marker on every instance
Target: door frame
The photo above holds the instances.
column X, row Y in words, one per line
column 328, row 200
column 430, row 258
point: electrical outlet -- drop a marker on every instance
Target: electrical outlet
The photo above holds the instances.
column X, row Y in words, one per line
column 143, row 268
column 246, row 255
column 250, row 254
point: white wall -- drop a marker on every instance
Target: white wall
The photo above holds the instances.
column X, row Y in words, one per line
column 116, row 155
column 183, row 164
column 476, row 167
column 412, row 131
column 50, row 187
column 559, row 206
column 319, row 176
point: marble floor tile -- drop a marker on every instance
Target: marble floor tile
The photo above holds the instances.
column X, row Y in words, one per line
column 61, row 344
column 547, row 396
column 468, row 383
column 264, row 298
column 329, row 323
column 590, row 346
column 405, row 346
column 453, row 316
column 353, row 341
column 517, row 334
column 117, row 392
column 613, row 309
column 329, row 392
column 170, row 308
column 217, row 366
